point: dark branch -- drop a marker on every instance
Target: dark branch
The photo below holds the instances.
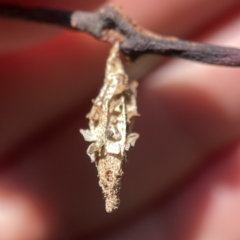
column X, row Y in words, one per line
column 61, row 18
column 110, row 24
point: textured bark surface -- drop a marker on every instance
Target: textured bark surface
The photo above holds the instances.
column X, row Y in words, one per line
column 110, row 24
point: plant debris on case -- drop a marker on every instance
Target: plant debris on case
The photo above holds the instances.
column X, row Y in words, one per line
column 110, row 122
column 112, row 115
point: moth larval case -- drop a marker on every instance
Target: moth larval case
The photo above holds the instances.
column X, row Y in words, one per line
column 110, row 124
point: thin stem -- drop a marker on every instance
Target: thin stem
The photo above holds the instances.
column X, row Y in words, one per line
column 111, row 25
column 61, row 18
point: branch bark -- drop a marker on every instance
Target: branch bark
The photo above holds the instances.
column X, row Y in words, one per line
column 110, row 24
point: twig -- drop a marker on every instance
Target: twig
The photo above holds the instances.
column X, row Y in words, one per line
column 111, row 25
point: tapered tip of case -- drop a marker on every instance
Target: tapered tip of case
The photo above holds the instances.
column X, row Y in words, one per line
column 110, row 174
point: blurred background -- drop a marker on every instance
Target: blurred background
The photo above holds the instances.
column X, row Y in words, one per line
column 182, row 178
